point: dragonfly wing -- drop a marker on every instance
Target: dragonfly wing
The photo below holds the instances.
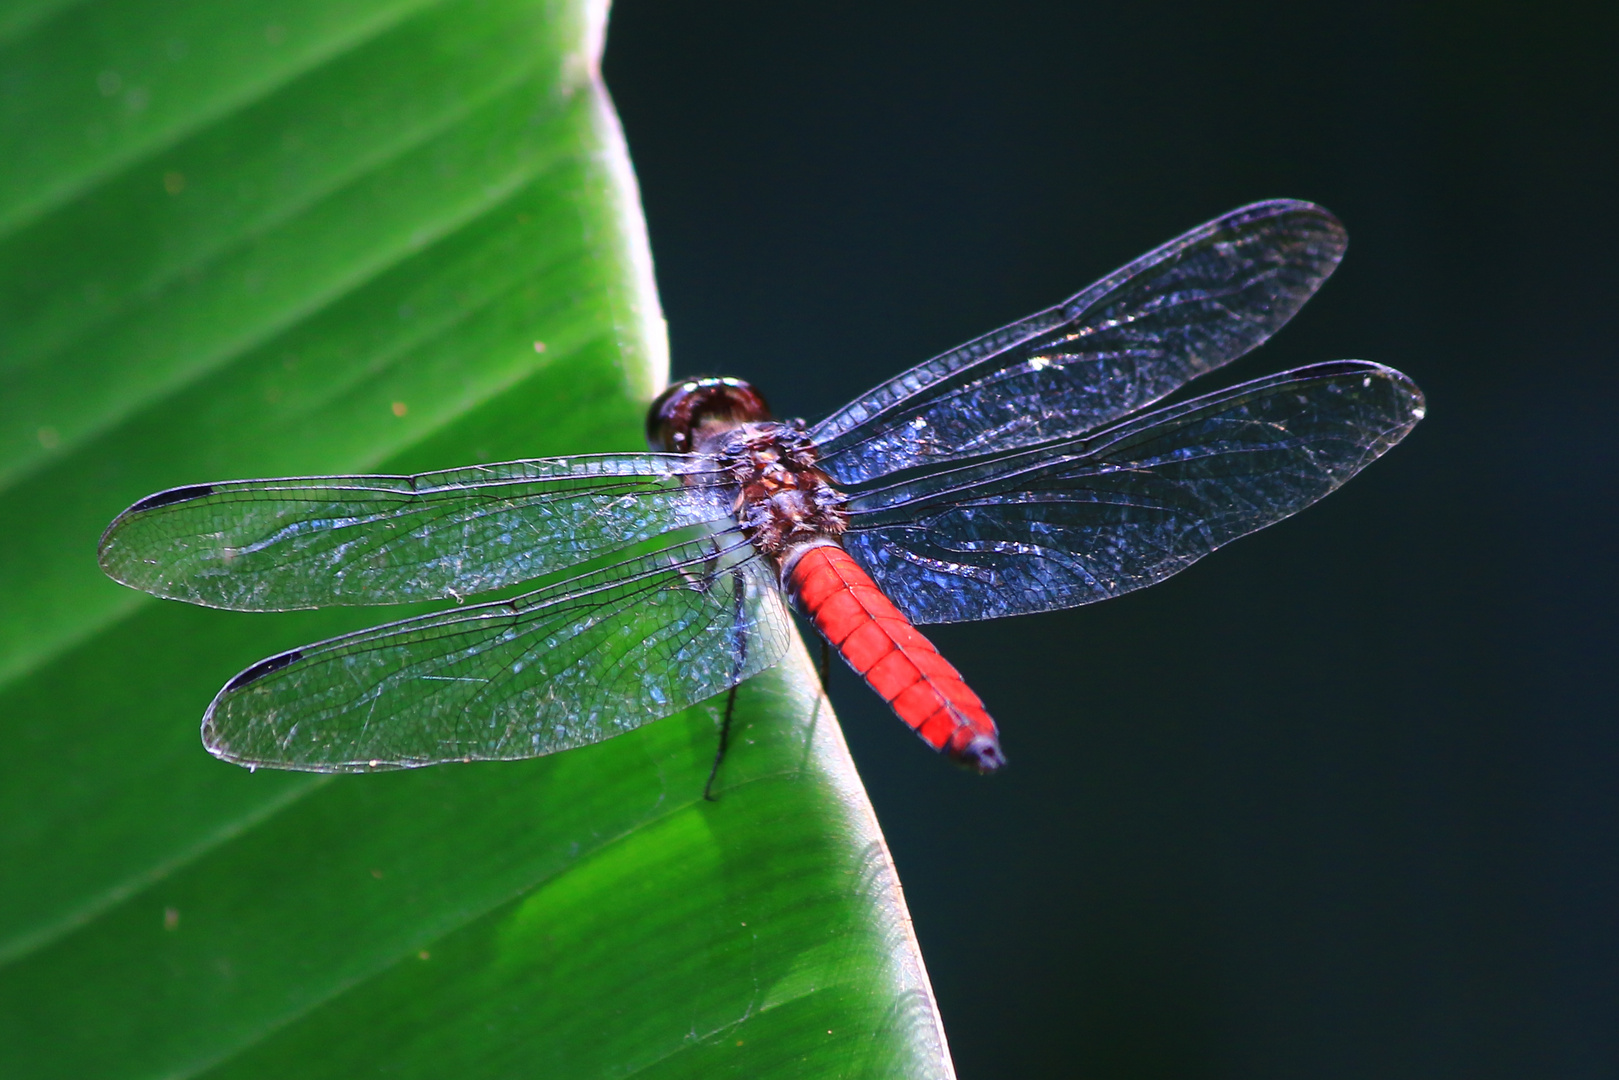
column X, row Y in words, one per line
column 275, row 545
column 1194, row 304
column 1092, row 518
column 558, row 668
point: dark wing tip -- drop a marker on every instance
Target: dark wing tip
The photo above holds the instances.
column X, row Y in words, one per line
column 151, row 502
column 1321, row 236
column 170, row 497
column 263, row 668
column 218, row 744
column 1337, row 369
column 1405, row 405
column 1274, row 208
column 212, row 740
column 1370, row 369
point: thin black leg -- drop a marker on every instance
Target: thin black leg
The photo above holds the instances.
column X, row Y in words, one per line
column 719, row 754
column 739, row 643
column 826, row 666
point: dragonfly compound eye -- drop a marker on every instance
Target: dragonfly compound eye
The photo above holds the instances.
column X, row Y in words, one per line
column 680, row 412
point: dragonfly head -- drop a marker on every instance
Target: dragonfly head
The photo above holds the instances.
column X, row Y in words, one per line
column 706, row 406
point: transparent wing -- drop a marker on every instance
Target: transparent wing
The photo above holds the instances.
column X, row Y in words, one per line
column 1192, row 305
column 558, row 668
column 1095, row 517
column 275, row 545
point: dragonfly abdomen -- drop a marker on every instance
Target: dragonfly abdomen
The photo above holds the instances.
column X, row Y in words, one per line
column 882, row 646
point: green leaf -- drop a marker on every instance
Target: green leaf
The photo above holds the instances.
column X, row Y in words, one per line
column 246, row 238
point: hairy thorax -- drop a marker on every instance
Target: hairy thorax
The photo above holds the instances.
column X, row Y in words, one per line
column 784, row 502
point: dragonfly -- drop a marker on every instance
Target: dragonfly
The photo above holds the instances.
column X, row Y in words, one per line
column 1031, row 469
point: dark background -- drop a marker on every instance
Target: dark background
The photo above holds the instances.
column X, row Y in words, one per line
column 1343, row 799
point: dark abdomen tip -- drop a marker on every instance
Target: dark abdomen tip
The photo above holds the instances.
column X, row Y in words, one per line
column 983, row 753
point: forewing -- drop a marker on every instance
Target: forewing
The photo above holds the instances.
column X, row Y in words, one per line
column 275, row 545
column 1093, row 518
column 558, row 668
column 1194, row 304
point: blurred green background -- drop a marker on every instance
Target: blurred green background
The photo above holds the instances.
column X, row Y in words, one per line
column 259, row 237
column 1342, row 800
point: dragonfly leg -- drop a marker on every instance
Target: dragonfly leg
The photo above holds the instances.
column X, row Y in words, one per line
column 739, row 642
column 701, row 580
column 719, row 754
column 826, row 666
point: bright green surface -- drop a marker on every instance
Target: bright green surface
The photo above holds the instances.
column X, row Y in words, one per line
column 235, row 239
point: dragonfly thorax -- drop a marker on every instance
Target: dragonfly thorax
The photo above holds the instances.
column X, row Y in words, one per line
column 783, row 500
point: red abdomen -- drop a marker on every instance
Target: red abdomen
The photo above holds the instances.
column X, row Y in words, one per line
column 893, row 657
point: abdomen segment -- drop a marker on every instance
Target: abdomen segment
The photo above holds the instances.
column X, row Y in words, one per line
column 893, row 657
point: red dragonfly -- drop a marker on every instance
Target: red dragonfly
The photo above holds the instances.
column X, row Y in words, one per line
column 1017, row 473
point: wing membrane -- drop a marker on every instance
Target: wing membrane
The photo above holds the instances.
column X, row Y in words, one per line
column 1188, row 307
column 275, row 545
column 558, row 668
column 1074, row 523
